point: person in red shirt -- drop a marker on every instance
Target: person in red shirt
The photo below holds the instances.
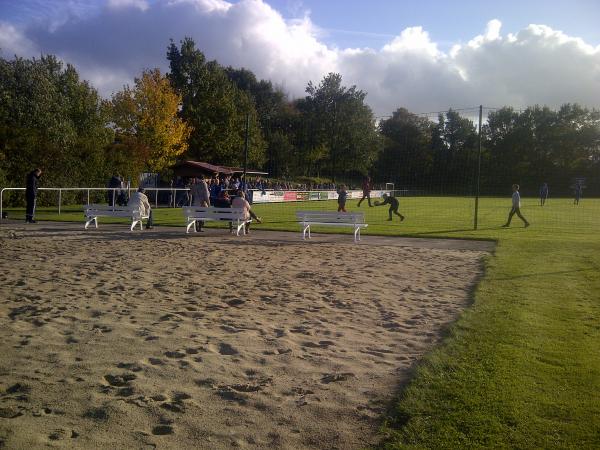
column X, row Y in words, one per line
column 366, row 188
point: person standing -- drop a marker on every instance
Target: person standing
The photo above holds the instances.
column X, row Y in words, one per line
column 543, row 194
column 366, row 188
column 200, row 197
column 31, row 187
column 394, row 205
column 578, row 191
column 516, row 207
column 115, row 184
column 140, row 199
column 342, row 197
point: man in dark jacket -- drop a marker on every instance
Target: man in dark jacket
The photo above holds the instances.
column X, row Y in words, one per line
column 114, row 190
column 31, row 187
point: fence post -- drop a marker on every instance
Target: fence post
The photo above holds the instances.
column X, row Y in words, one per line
column 88, row 196
column 59, row 200
column 478, row 171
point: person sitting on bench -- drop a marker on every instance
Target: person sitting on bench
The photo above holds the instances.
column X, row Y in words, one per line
column 140, row 199
column 239, row 201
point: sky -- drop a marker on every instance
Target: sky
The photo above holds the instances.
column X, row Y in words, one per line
column 427, row 55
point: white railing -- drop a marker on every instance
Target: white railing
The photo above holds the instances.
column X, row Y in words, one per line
column 173, row 197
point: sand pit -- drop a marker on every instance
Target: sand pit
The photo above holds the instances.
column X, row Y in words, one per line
column 112, row 339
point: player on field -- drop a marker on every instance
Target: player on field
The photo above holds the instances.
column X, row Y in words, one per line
column 516, row 207
column 394, row 204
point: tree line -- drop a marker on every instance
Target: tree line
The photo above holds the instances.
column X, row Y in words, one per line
column 200, row 109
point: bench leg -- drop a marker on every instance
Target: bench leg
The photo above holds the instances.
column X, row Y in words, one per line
column 306, row 228
column 88, row 221
column 189, row 225
column 242, row 226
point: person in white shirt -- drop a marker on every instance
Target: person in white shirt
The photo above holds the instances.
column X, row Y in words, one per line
column 200, row 197
column 140, row 200
column 516, row 207
column 239, row 201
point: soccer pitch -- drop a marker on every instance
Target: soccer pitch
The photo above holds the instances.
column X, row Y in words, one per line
column 521, row 367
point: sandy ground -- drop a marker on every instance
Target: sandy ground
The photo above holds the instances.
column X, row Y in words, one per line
column 157, row 339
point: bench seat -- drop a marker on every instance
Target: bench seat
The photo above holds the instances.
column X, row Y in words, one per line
column 92, row 212
column 330, row 218
column 235, row 216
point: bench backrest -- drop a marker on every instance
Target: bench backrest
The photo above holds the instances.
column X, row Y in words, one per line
column 212, row 213
column 114, row 211
column 330, row 217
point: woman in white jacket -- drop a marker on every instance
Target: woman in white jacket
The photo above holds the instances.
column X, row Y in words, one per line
column 200, row 197
column 140, row 200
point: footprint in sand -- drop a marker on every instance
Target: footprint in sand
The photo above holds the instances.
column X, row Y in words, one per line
column 100, row 414
column 235, row 302
column 119, row 380
column 129, row 366
column 226, row 349
column 335, row 377
column 9, row 413
column 162, row 430
column 58, row 434
column 320, row 344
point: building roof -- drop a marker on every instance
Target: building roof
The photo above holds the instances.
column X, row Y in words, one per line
column 197, row 168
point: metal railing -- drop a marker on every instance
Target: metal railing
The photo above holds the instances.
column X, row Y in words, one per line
column 115, row 191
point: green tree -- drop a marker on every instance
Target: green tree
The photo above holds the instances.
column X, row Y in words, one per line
column 214, row 107
column 407, row 157
column 453, row 144
column 336, row 117
column 51, row 119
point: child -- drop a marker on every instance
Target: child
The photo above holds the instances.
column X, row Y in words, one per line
column 394, row 204
column 516, row 207
column 342, row 197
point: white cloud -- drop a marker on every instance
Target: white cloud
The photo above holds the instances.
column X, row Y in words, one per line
column 536, row 65
column 119, row 4
column 14, row 42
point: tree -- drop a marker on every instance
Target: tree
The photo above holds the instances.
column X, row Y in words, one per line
column 147, row 123
column 407, row 157
column 214, row 107
column 336, row 117
column 51, row 119
column 453, row 143
column 540, row 145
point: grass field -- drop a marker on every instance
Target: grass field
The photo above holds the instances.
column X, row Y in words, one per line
column 521, row 367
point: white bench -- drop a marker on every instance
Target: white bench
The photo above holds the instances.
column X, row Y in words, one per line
column 92, row 212
column 335, row 219
column 235, row 216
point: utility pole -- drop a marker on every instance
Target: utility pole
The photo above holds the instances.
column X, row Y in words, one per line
column 478, row 170
column 246, row 148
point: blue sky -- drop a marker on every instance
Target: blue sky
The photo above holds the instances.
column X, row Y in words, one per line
column 424, row 55
column 447, row 21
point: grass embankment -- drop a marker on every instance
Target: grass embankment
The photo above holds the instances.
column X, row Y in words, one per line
column 521, row 367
